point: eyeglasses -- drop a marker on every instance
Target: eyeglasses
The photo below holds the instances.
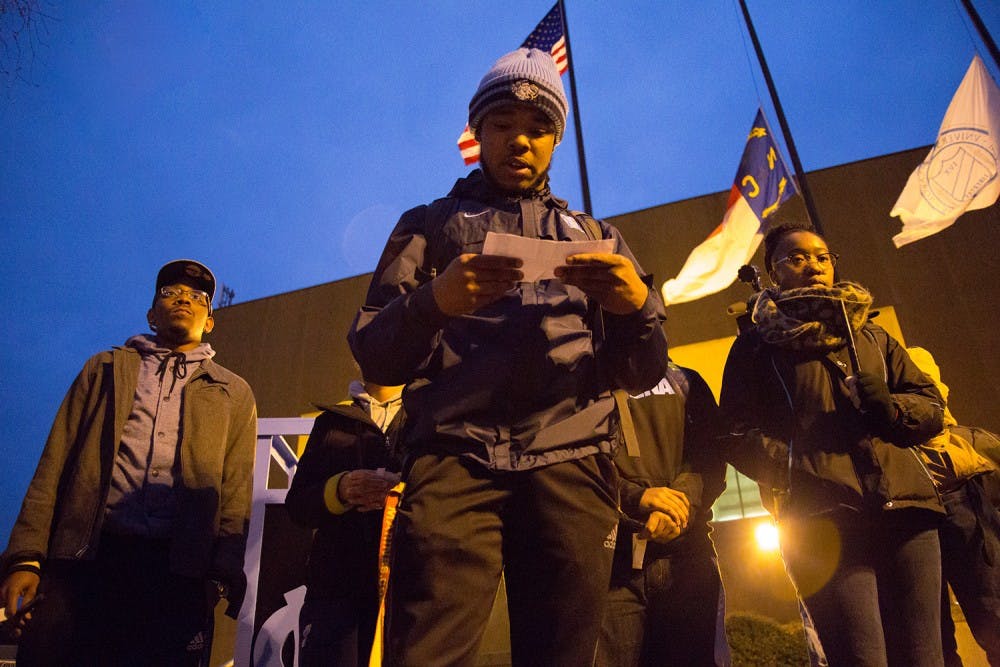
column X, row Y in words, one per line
column 196, row 295
column 797, row 260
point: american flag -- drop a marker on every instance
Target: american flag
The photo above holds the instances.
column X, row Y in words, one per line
column 549, row 36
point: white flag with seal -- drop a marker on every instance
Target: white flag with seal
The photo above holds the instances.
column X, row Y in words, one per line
column 961, row 172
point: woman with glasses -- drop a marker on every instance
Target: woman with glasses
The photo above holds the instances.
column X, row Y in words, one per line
column 823, row 407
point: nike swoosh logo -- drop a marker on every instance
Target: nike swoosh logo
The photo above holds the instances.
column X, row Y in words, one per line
column 474, row 215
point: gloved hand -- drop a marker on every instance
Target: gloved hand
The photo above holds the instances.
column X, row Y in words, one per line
column 874, row 397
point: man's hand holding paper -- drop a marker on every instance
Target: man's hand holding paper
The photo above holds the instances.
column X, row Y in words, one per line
column 609, row 279
column 541, row 257
column 592, row 266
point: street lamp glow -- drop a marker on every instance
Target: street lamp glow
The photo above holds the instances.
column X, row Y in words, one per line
column 766, row 534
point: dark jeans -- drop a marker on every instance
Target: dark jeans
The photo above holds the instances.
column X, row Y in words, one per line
column 336, row 632
column 871, row 584
column 551, row 530
column 970, row 560
column 671, row 612
column 124, row 608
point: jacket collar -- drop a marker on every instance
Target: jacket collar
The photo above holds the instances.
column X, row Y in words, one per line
column 353, row 411
column 214, row 371
column 475, row 186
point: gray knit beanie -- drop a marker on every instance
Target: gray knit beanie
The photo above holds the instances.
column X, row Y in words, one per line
column 528, row 76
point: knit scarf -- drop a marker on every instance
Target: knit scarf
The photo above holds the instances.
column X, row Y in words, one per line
column 811, row 318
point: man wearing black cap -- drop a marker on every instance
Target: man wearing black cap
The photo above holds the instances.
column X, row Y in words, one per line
column 511, row 419
column 134, row 523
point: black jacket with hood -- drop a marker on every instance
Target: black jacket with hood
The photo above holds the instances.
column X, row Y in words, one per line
column 523, row 382
column 343, row 561
column 797, row 433
column 677, row 427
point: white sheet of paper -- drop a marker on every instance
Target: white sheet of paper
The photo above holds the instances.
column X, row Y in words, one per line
column 540, row 256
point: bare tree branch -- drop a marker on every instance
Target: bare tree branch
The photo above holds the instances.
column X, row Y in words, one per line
column 22, row 30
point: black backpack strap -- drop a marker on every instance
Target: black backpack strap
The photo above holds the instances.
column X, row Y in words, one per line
column 591, row 226
column 436, row 214
column 681, row 384
column 678, row 379
column 594, row 232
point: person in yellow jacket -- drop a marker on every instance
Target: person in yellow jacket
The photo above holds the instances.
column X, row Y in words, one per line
column 341, row 483
column 970, row 532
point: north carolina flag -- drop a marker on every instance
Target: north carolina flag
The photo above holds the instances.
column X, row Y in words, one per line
column 762, row 184
column 549, row 36
column 960, row 172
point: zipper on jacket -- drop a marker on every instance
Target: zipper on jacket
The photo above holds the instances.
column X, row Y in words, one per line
column 791, row 441
column 927, row 472
column 881, row 355
column 90, row 532
column 920, row 462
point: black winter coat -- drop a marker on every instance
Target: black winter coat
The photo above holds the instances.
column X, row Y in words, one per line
column 796, row 432
column 677, row 427
column 343, row 561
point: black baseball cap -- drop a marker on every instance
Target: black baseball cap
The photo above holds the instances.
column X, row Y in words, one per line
column 189, row 272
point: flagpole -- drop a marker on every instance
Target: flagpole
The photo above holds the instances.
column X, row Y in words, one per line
column 584, row 181
column 789, row 142
column 984, row 34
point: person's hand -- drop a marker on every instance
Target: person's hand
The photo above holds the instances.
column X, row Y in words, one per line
column 472, row 281
column 21, row 586
column 365, row 490
column 660, row 527
column 673, row 503
column 872, row 396
column 608, row 278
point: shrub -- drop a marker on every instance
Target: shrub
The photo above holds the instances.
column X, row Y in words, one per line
column 760, row 641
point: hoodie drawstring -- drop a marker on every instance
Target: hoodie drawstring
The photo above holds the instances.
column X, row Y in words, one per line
column 179, row 369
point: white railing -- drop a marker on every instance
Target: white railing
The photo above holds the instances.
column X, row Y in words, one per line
column 272, row 449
